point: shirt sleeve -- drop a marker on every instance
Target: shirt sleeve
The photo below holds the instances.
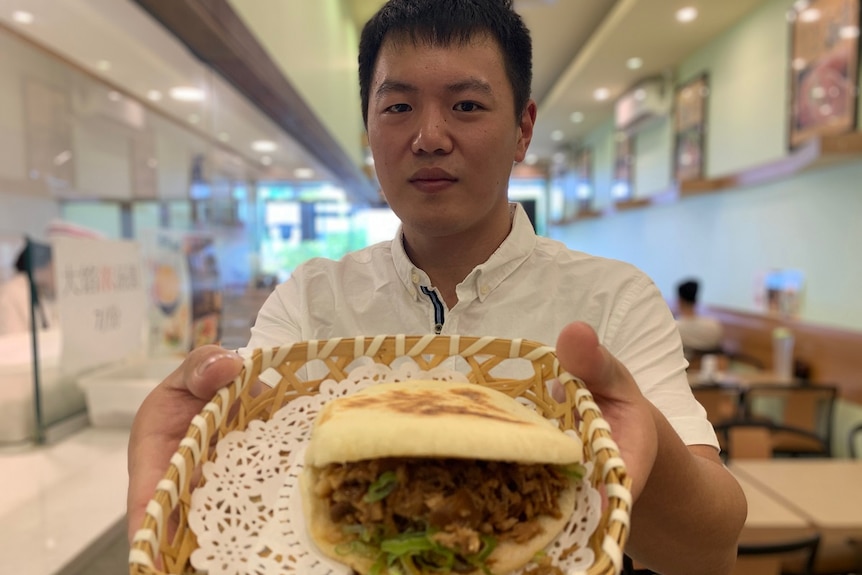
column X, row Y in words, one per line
column 642, row 334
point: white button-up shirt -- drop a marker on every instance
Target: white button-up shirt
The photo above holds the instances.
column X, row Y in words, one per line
column 529, row 288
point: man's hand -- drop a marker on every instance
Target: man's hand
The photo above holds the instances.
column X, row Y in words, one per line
column 164, row 417
column 688, row 509
column 623, row 406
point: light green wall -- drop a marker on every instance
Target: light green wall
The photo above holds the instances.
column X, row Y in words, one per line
column 810, row 221
column 748, row 101
column 315, row 45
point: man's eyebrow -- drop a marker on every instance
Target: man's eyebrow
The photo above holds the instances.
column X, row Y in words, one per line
column 470, row 84
column 393, row 86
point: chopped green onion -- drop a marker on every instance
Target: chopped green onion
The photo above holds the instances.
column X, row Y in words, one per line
column 407, row 543
column 489, row 543
column 574, row 471
column 383, row 486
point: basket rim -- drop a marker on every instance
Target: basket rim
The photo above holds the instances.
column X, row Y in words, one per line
column 172, row 490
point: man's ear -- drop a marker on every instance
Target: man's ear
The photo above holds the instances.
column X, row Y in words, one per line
column 525, row 130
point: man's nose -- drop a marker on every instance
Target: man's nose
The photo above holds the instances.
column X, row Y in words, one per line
column 432, row 134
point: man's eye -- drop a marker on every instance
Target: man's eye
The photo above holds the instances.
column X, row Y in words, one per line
column 467, row 106
column 398, row 108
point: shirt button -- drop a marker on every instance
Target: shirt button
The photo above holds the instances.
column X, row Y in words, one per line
column 484, row 290
column 412, row 292
column 415, row 278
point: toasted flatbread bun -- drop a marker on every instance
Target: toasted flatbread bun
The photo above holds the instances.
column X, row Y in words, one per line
column 436, row 419
column 441, row 420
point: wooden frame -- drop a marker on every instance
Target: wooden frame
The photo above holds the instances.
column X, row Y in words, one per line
column 690, row 129
column 823, row 69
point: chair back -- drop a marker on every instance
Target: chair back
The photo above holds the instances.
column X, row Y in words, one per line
column 806, row 408
column 854, row 442
column 742, row 439
column 768, row 558
column 721, row 403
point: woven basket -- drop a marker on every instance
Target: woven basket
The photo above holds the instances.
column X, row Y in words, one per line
column 238, row 404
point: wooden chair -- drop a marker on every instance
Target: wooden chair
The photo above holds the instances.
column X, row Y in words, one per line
column 768, row 558
column 756, row 439
column 804, row 411
column 742, row 439
column 854, row 442
column 722, row 403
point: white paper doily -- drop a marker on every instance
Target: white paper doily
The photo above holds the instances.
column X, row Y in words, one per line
column 248, row 515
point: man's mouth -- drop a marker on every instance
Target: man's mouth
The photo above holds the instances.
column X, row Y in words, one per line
column 431, row 179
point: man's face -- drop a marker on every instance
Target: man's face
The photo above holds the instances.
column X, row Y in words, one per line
column 442, row 128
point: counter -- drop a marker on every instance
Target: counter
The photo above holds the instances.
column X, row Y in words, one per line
column 62, row 503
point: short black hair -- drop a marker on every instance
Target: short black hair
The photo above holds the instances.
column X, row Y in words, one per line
column 442, row 22
column 687, row 290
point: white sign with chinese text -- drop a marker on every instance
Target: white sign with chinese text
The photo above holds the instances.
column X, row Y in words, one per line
column 101, row 299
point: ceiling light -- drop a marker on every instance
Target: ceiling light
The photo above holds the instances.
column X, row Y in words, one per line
column 849, row 32
column 263, row 146
column 557, row 135
column 303, row 173
column 576, row 117
column 810, row 15
column 634, row 63
column 62, row 157
column 22, row 17
column 686, row 14
column 154, row 95
column 601, row 94
column 103, row 65
column 531, row 159
column 266, row 160
column 187, row 94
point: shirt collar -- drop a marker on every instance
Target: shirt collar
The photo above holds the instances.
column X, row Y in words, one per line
column 485, row 277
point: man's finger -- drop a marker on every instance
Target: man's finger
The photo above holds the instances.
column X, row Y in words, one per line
column 581, row 354
column 206, row 370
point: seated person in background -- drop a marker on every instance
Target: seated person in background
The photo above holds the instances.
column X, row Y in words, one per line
column 700, row 334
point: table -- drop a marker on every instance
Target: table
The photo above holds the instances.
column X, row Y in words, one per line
column 769, row 519
column 826, row 492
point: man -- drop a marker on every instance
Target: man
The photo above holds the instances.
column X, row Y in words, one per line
column 700, row 334
column 445, row 88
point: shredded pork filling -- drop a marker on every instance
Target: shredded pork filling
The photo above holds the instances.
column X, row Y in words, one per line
column 459, row 500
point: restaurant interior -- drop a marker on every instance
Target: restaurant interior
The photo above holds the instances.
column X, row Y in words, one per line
column 177, row 160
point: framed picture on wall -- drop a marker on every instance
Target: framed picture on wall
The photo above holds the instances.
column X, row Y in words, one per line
column 823, row 68
column 584, row 191
column 622, row 188
column 690, row 129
